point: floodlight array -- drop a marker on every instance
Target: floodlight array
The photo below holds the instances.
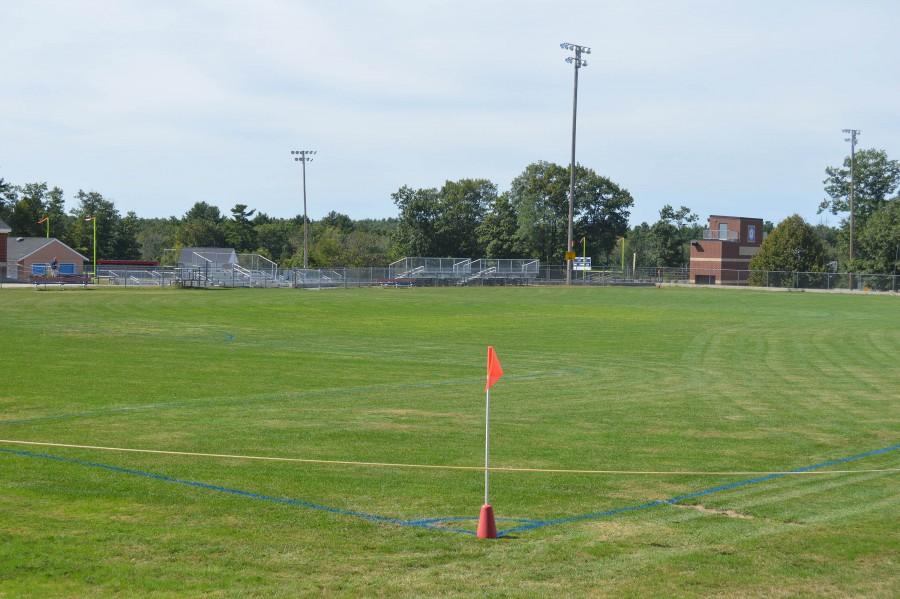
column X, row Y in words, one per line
column 303, row 155
column 577, row 60
column 852, row 133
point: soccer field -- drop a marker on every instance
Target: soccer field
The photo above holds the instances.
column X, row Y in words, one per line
column 666, row 384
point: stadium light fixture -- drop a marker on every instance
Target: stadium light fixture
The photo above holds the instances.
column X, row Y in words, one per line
column 578, row 62
column 304, row 156
column 93, row 220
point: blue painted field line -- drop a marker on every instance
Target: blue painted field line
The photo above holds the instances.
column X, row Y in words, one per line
column 435, row 523
column 700, row 493
column 248, row 494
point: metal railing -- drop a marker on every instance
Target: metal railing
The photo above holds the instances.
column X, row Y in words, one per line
column 516, row 266
column 488, row 273
column 717, row 234
column 704, row 276
column 422, row 266
column 463, row 267
column 415, row 267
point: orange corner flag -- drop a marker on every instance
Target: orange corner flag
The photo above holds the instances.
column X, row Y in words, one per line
column 494, row 370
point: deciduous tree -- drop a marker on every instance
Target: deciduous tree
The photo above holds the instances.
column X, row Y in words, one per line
column 498, row 232
column 876, row 179
column 670, row 236
column 879, row 240
column 540, row 197
column 415, row 233
column 792, row 246
column 80, row 234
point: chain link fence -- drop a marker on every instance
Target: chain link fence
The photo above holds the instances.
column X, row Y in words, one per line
column 524, row 273
column 772, row 278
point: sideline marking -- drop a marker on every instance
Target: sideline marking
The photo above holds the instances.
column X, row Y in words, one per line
column 239, row 492
column 450, row 467
column 434, row 523
column 695, row 494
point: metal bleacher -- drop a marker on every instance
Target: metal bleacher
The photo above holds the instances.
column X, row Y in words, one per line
column 201, row 270
column 228, row 269
column 464, row 271
column 208, row 269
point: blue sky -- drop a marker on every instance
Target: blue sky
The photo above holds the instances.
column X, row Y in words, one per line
column 726, row 107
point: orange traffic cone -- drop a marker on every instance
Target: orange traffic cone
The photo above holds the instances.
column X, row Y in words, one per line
column 487, row 528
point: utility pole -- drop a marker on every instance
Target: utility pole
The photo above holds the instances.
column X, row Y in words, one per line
column 304, row 156
column 578, row 62
column 896, row 260
column 852, row 139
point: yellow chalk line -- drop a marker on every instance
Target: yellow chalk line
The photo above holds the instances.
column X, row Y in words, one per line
column 438, row 466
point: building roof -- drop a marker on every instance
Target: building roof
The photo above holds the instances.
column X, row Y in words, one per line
column 4, row 228
column 21, row 247
column 737, row 217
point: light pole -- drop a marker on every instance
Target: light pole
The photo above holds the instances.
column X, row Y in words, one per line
column 304, row 156
column 852, row 139
column 93, row 220
column 578, row 62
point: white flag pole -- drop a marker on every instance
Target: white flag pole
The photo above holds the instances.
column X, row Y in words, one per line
column 487, row 526
column 487, row 443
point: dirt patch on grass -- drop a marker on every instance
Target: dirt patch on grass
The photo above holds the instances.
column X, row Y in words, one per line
column 410, row 413
column 390, row 426
column 710, row 510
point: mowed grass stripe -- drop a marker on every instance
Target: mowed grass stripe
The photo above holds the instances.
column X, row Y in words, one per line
column 610, row 378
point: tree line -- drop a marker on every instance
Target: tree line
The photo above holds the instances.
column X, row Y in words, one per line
column 473, row 218
column 465, row 218
column 470, row 218
column 797, row 246
column 336, row 239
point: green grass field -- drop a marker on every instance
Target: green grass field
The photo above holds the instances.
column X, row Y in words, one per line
column 606, row 378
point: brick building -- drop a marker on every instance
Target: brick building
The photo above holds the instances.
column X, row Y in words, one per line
column 723, row 255
column 30, row 257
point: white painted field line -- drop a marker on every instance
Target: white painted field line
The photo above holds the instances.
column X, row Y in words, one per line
column 437, row 466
